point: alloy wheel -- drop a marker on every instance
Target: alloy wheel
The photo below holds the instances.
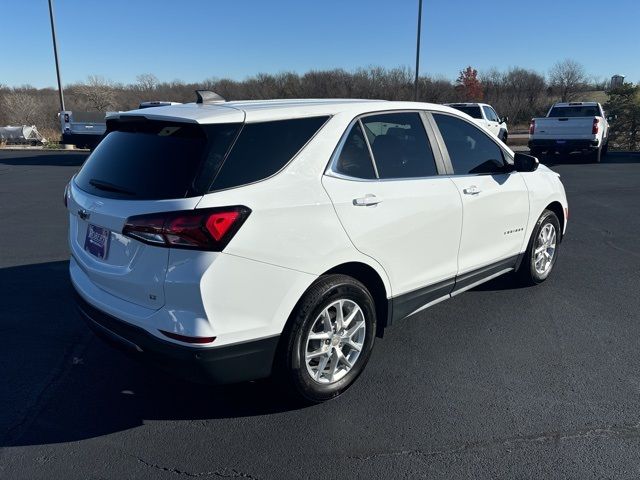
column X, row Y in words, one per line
column 335, row 341
column 545, row 249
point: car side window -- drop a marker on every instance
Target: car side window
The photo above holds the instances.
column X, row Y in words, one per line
column 471, row 150
column 355, row 160
column 400, row 145
column 490, row 114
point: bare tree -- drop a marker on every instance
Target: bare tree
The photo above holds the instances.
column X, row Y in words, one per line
column 21, row 108
column 567, row 78
column 147, row 82
column 436, row 90
column 99, row 93
column 518, row 93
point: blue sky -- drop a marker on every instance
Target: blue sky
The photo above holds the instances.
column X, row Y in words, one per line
column 191, row 40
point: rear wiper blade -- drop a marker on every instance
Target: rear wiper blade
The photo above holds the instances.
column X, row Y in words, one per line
column 109, row 187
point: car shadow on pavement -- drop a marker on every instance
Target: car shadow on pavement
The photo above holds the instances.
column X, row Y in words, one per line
column 62, row 384
column 61, row 159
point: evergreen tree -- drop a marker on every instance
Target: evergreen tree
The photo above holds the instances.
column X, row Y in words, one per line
column 624, row 106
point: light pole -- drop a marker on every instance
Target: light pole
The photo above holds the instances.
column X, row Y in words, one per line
column 415, row 84
column 55, row 54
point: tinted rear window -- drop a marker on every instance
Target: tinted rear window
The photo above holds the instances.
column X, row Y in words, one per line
column 472, row 111
column 577, row 111
column 151, row 160
column 262, row 149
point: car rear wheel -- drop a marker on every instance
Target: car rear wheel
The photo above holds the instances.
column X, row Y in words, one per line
column 328, row 340
column 595, row 156
column 542, row 251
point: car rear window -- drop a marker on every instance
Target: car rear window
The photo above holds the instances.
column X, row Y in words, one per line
column 575, row 111
column 263, row 149
column 152, row 160
column 471, row 110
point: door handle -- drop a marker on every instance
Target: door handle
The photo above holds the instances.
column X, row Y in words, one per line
column 368, row 200
column 472, row 190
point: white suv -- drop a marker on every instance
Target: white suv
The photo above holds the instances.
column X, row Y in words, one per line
column 485, row 115
column 228, row 241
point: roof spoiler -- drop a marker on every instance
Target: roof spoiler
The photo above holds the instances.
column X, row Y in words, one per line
column 207, row 96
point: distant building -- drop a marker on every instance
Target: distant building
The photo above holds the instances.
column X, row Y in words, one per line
column 616, row 81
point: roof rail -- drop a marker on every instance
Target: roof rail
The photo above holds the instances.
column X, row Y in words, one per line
column 207, row 96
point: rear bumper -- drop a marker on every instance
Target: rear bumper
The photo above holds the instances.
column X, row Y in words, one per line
column 227, row 364
column 90, row 140
column 559, row 145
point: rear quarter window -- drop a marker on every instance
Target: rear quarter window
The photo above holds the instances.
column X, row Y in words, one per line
column 263, row 149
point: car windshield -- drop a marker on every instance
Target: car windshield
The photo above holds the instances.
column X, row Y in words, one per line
column 575, row 111
column 472, row 110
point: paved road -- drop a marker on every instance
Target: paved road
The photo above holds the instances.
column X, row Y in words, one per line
column 499, row 382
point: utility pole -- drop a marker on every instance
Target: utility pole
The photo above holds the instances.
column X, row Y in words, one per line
column 415, row 84
column 55, row 54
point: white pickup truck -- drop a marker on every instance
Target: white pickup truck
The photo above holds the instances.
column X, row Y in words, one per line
column 571, row 127
column 485, row 116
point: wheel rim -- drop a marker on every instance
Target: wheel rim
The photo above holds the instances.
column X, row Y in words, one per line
column 545, row 249
column 335, row 341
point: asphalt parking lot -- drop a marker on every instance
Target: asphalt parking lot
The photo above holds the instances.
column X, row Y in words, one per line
column 500, row 382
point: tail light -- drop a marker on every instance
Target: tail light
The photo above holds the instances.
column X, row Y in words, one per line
column 203, row 229
column 596, row 126
column 66, row 118
column 532, row 127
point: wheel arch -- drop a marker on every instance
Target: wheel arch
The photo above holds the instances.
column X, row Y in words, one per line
column 371, row 279
column 557, row 208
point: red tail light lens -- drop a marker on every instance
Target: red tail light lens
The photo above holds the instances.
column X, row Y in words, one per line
column 596, row 126
column 532, row 127
column 203, row 229
column 219, row 223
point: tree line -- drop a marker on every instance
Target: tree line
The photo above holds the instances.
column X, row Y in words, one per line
column 518, row 93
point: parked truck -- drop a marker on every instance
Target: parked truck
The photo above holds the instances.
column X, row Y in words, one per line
column 571, row 127
column 86, row 129
column 83, row 129
column 485, row 116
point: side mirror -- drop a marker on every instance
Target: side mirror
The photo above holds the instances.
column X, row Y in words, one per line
column 504, row 119
column 525, row 163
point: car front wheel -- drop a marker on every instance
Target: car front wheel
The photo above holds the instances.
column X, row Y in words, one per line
column 542, row 251
column 328, row 340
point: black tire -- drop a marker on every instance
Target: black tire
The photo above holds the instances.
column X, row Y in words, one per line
column 504, row 136
column 527, row 273
column 291, row 369
column 536, row 152
column 595, row 156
